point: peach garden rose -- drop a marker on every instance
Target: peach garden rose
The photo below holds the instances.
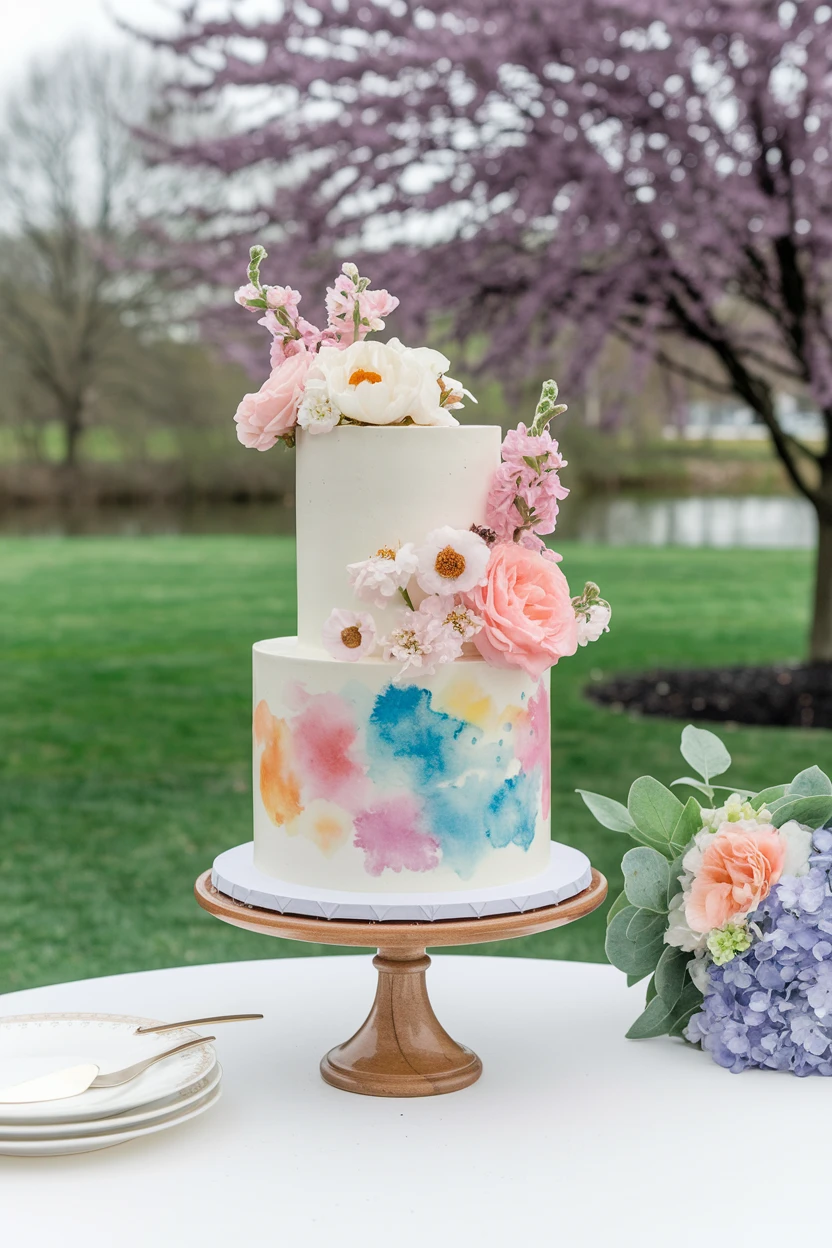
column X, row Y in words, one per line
column 738, row 871
column 264, row 417
column 528, row 620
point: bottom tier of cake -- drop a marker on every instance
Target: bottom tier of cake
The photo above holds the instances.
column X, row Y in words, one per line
column 432, row 784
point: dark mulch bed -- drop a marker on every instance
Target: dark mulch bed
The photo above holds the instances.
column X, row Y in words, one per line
column 789, row 696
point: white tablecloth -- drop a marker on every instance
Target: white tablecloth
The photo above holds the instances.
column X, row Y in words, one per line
column 573, row 1135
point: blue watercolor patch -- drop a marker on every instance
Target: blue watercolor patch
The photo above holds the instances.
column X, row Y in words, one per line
column 436, row 757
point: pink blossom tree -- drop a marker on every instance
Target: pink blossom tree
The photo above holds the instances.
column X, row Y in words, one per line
column 658, row 170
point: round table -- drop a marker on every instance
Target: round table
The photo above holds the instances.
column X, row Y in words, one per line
column 573, row 1134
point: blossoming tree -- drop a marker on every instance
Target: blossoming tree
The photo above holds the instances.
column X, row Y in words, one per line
column 657, row 171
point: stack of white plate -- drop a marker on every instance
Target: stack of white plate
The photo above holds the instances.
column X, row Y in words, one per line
column 170, row 1092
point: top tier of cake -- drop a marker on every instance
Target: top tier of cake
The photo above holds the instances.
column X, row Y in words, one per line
column 363, row 488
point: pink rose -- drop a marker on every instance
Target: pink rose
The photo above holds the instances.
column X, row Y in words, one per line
column 264, row 417
column 739, row 869
column 526, row 610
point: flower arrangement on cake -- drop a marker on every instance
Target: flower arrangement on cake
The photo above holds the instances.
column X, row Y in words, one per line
column 321, row 378
column 728, row 909
column 494, row 587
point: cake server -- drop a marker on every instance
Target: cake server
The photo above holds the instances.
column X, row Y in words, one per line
column 73, row 1080
column 196, row 1022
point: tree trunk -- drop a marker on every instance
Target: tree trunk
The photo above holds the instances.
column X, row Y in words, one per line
column 73, row 428
column 820, row 646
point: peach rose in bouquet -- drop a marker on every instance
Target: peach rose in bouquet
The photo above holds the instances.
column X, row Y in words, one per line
column 264, row 417
column 526, row 609
column 738, row 871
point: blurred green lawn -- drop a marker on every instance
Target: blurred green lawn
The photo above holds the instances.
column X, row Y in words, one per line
column 125, row 729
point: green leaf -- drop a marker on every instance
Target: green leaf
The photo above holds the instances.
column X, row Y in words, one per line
column 671, row 974
column 655, row 811
column 810, row 783
column 674, row 871
column 633, row 959
column 813, row 811
column 651, row 990
column 687, row 1005
column 687, row 825
column 705, row 752
column 645, row 878
column 694, row 784
column 645, row 926
column 656, row 1020
column 609, row 813
column 632, row 980
column 619, row 904
column 765, row 796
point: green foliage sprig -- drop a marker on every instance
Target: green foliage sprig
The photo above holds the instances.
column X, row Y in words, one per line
column 663, row 828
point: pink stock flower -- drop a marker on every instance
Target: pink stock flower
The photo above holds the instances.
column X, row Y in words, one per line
column 526, row 610
column 373, row 306
column 519, row 444
column 341, row 297
column 283, row 297
column 264, row 417
column 245, row 294
column 738, row 871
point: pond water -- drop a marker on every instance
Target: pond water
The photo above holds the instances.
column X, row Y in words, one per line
column 618, row 520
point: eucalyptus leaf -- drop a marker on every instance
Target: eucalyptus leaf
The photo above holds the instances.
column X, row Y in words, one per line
column 687, row 1005
column 655, row 811
column 694, row 784
column 813, row 811
column 687, row 825
column 772, row 794
column 638, row 960
column 810, row 783
column 705, row 752
column 656, row 1020
column 645, row 878
column 651, row 990
column 645, row 926
column 674, row 871
column 671, row 974
column 609, row 813
column 632, row 980
column 619, row 904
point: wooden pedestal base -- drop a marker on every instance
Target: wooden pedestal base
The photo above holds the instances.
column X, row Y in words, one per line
column 401, row 1049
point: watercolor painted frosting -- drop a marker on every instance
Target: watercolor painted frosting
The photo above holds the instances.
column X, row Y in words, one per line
column 365, row 785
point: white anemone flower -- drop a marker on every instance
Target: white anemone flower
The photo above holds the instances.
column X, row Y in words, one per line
column 349, row 635
column 452, row 561
column 379, row 578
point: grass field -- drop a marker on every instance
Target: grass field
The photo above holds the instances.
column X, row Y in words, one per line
column 125, row 734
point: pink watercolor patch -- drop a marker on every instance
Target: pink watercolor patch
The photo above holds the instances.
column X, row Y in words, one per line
column 391, row 836
column 324, row 737
column 531, row 743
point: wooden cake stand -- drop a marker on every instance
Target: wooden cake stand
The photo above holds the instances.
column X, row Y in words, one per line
column 401, row 1049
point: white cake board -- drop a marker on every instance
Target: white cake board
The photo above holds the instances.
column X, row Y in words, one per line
column 569, row 873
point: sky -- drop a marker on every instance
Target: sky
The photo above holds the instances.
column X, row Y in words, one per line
column 35, row 27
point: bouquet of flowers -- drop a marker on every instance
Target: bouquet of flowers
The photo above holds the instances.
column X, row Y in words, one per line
column 728, row 910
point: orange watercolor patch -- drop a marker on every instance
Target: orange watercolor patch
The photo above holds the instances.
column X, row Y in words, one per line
column 329, row 833
column 279, row 786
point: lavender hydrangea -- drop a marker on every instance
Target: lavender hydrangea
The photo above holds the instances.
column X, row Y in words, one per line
column 771, row 1007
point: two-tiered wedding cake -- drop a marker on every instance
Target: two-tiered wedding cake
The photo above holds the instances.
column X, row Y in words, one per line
column 401, row 740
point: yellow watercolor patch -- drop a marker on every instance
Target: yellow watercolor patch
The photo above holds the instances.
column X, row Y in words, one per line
column 465, row 699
